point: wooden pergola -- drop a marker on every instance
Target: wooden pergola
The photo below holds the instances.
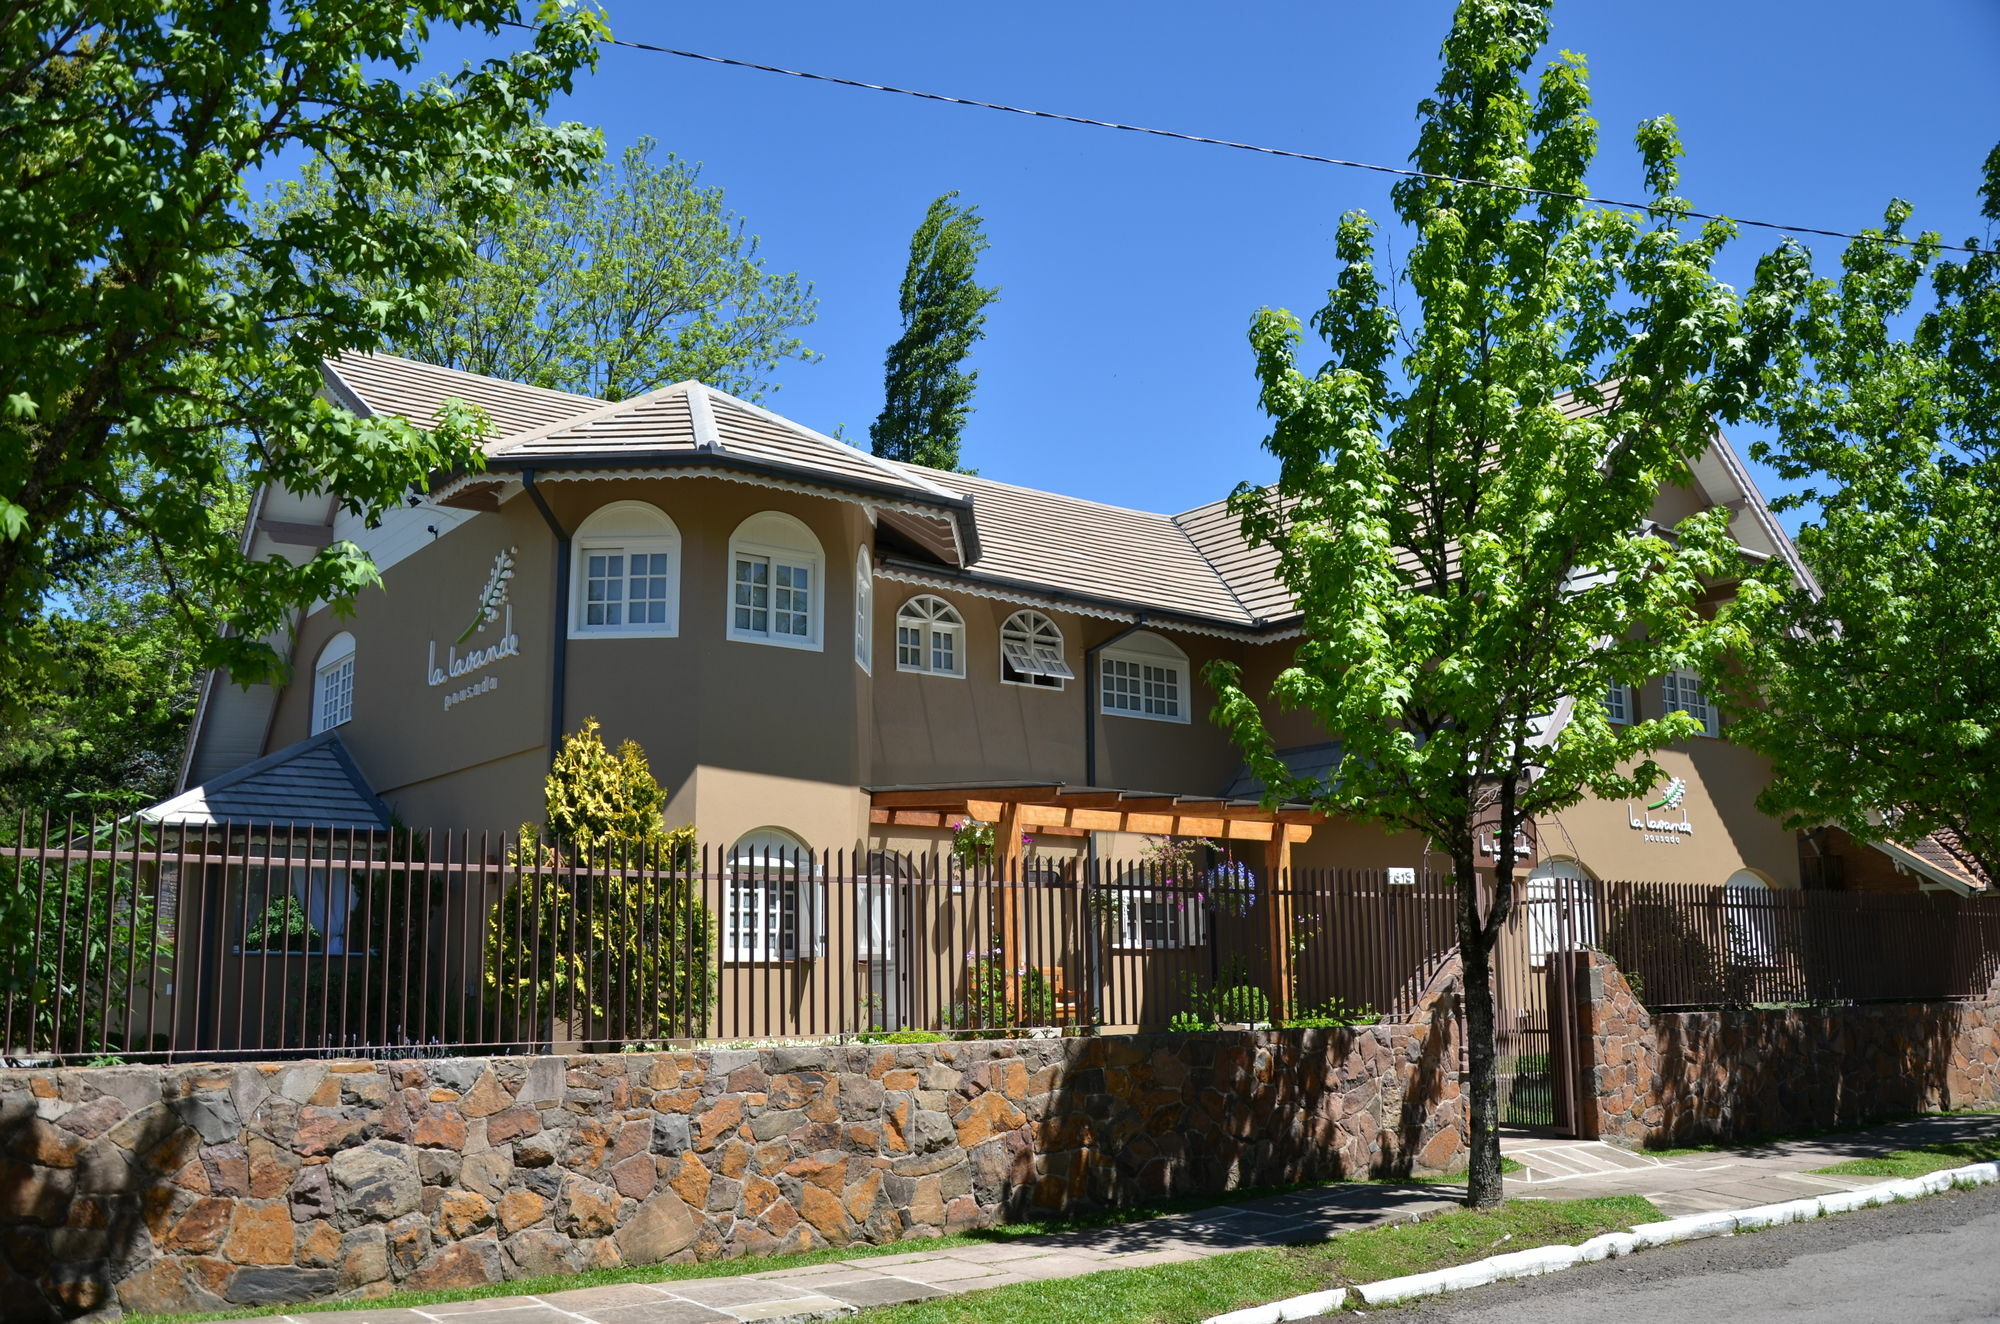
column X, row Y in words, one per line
column 1058, row 809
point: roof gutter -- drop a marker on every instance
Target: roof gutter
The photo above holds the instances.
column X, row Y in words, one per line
column 559, row 645
column 1090, row 714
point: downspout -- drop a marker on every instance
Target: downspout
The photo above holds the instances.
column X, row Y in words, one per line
column 559, row 646
column 1094, row 975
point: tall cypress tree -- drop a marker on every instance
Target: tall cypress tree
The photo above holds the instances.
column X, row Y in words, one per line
column 928, row 394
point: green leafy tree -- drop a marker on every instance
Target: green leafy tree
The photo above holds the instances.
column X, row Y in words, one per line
column 604, row 926
column 928, row 389
column 157, row 351
column 1878, row 698
column 627, row 279
column 1463, row 515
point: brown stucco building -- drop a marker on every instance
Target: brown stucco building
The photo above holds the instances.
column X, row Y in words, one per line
column 819, row 647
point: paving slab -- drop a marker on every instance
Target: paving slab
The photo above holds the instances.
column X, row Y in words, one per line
column 661, row 1311
column 883, row 1292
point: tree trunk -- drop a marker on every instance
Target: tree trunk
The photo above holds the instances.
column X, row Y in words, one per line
column 1475, row 949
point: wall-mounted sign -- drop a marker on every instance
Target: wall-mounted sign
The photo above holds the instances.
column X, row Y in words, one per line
column 1401, row 877
column 493, row 608
column 1665, row 831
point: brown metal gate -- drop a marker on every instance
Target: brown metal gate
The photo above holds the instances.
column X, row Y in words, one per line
column 1535, row 970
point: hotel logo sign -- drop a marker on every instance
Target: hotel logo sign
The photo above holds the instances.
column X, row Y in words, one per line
column 493, row 608
column 1665, row 831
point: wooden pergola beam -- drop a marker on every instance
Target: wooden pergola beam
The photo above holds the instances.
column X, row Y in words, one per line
column 954, row 800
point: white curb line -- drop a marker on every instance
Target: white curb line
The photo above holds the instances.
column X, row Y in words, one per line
column 1550, row 1259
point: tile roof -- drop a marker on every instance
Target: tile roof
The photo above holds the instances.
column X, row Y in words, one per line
column 691, row 421
column 388, row 384
column 1076, row 546
column 314, row 783
column 1944, row 850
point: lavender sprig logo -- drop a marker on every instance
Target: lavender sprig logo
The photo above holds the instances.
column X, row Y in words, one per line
column 494, row 596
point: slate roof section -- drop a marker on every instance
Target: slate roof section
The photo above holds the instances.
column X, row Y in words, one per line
column 314, row 783
column 388, row 384
column 1316, row 761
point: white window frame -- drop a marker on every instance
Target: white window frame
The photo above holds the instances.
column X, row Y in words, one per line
column 932, row 618
column 626, row 529
column 1683, row 692
column 864, row 611
column 333, row 684
column 1031, row 648
column 1179, row 920
column 774, row 878
column 1620, row 704
column 1139, row 653
column 779, row 541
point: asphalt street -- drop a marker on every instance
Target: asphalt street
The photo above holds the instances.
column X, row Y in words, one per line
column 1931, row 1261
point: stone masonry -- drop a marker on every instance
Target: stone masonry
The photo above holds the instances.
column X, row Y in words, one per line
column 197, row 1187
column 1692, row 1077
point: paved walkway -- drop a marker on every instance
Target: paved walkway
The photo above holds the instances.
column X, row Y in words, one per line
column 1725, row 1179
column 1555, row 1169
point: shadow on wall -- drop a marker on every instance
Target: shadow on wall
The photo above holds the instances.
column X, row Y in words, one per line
column 1143, row 1118
column 1742, row 1073
column 89, row 1189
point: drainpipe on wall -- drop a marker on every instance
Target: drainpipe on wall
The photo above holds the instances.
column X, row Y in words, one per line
column 1094, row 978
column 559, row 645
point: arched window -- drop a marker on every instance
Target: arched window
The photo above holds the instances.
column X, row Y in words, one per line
column 864, row 610
column 1143, row 675
column 1031, row 652
column 930, row 637
column 775, row 594
column 626, row 573
column 1750, row 918
column 333, row 684
column 775, row 909
column 1561, row 913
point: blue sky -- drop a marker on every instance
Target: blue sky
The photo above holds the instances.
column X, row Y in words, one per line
column 1115, row 365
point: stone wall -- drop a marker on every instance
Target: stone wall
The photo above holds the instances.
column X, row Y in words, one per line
column 1689, row 1077
column 196, row 1187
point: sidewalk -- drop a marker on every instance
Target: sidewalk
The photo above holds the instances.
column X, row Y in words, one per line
column 1725, row 1179
column 1555, row 1170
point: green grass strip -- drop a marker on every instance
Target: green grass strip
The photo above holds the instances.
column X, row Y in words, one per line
column 1196, row 1289
column 1920, row 1161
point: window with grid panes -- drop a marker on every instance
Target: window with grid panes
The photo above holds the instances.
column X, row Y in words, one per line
column 1141, row 688
column 774, row 582
column 333, row 684
column 627, row 576
column 771, row 910
column 930, row 636
column 1618, row 704
column 1683, row 692
column 864, row 611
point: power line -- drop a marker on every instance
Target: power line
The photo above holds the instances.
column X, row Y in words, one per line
column 1206, row 141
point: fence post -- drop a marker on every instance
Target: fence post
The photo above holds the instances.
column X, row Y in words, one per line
column 1278, row 918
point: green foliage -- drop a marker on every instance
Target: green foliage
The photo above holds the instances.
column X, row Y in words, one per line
column 627, row 279
column 901, row 1037
column 604, row 926
column 1332, row 1014
column 1230, row 1000
column 1877, row 699
column 1471, row 555
column 928, row 393
column 79, row 946
column 157, row 351
column 283, row 927
column 994, row 1003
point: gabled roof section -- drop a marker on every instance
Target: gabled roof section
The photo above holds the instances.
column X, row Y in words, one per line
column 1031, row 539
column 314, row 783
column 1938, row 859
column 388, row 384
